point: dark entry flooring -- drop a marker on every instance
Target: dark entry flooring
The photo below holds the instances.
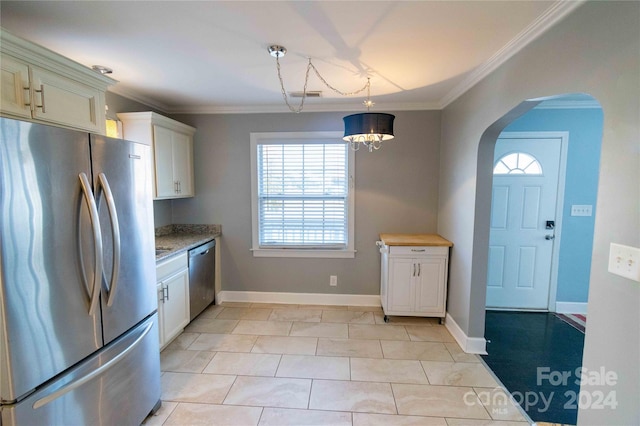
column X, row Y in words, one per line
column 536, row 355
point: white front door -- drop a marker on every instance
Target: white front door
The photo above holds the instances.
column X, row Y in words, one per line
column 525, row 189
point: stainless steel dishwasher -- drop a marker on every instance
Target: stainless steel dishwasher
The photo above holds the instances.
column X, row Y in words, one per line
column 202, row 267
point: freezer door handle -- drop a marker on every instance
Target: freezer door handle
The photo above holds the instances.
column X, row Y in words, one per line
column 115, row 233
column 95, row 373
column 97, row 241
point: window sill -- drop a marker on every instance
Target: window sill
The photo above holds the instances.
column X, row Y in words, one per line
column 317, row 253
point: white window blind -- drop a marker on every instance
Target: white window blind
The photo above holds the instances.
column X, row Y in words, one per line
column 303, row 193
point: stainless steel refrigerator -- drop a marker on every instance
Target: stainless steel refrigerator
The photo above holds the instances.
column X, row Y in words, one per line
column 78, row 321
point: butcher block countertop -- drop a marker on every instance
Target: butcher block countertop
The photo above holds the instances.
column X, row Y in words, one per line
column 414, row 240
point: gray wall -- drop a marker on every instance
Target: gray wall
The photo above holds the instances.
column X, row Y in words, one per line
column 396, row 190
column 594, row 50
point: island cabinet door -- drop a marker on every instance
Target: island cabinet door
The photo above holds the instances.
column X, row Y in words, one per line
column 401, row 274
column 430, row 289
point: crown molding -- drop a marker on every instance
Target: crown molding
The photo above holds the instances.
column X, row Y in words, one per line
column 266, row 109
column 561, row 104
column 137, row 97
column 549, row 18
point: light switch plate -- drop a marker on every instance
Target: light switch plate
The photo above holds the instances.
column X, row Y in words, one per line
column 581, row 210
column 624, row 261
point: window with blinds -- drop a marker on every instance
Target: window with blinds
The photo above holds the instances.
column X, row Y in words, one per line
column 302, row 193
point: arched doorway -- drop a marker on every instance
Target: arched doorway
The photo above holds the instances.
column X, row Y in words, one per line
column 573, row 124
column 547, row 343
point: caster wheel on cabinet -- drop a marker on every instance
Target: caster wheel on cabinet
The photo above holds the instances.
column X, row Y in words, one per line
column 386, row 319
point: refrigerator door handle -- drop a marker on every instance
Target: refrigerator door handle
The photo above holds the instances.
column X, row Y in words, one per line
column 115, row 233
column 97, row 241
column 95, row 373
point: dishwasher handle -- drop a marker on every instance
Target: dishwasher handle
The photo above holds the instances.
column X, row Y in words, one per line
column 202, row 249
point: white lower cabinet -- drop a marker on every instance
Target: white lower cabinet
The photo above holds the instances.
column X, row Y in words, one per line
column 414, row 280
column 173, row 297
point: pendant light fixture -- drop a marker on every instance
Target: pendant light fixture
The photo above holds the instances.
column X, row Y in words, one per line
column 367, row 128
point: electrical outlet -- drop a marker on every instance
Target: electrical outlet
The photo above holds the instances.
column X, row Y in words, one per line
column 333, row 280
column 624, row 261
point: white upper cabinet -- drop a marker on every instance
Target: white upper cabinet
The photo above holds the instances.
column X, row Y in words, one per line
column 15, row 95
column 172, row 145
column 41, row 86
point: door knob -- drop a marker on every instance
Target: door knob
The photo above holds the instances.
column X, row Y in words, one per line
column 549, row 237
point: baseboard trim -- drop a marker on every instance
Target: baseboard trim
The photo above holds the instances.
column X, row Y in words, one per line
column 471, row 345
column 300, row 298
column 571, row 307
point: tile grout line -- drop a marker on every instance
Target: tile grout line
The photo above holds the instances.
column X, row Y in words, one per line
column 261, row 414
column 481, row 403
column 170, row 413
column 393, row 394
column 275, row 373
column 309, row 397
column 425, row 372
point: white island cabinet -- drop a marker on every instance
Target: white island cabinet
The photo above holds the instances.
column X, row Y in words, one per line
column 172, row 146
column 173, row 297
column 41, row 86
column 414, row 272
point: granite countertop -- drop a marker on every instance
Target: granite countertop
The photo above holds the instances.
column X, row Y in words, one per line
column 175, row 239
column 414, row 240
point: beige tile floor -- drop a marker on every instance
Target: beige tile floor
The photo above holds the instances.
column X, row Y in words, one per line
column 271, row 364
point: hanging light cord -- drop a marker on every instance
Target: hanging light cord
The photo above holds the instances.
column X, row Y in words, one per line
column 310, row 66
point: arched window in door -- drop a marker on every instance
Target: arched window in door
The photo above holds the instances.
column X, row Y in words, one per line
column 517, row 163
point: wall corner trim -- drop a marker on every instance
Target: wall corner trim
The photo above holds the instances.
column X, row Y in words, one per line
column 471, row 345
column 300, row 298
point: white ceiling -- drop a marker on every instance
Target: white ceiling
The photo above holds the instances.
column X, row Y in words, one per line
column 211, row 56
